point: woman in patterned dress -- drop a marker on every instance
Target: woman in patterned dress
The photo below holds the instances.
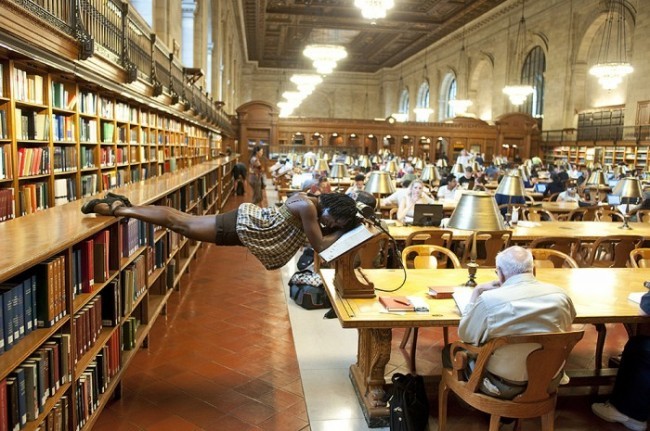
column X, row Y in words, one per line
column 273, row 235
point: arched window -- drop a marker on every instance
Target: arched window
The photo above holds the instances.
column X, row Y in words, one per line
column 423, row 102
column 532, row 73
column 404, row 102
column 449, row 88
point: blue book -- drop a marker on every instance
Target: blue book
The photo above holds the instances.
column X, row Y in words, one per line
column 19, row 374
column 19, row 309
column 34, row 303
column 28, row 306
column 7, row 317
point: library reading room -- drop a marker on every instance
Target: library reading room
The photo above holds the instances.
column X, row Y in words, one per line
column 324, row 215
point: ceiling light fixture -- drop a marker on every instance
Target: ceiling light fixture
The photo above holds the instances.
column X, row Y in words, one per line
column 517, row 93
column 325, row 57
column 612, row 64
column 374, row 9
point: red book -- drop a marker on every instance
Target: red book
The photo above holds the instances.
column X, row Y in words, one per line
column 4, row 420
column 396, row 303
column 441, row 292
column 87, row 269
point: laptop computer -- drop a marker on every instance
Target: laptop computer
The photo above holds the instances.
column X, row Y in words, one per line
column 427, row 215
column 540, row 188
column 613, row 199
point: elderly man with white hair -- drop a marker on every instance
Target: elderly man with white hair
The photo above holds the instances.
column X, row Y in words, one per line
column 517, row 303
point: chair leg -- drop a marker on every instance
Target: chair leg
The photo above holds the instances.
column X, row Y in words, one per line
column 517, row 426
column 443, row 393
column 600, row 344
column 548, row 421
column 405, row 338
column 495, row 422
column 414, row 345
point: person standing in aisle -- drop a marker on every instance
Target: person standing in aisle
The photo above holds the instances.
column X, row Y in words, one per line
column 255, row 174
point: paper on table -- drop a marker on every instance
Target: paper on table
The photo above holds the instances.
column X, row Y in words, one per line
column 462, row 296
column 526, row 223
column 636, row 296
column 419, row 303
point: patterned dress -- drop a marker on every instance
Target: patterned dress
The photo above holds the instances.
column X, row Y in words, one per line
column 272, row 234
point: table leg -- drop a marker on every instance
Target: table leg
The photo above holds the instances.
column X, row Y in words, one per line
column 367, row 375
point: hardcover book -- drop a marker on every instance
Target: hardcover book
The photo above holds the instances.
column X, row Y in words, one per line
column 348, row 241
column 441, row 292
column 396, row 303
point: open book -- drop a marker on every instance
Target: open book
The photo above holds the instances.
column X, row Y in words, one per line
column 462, row 296
column 348, row 241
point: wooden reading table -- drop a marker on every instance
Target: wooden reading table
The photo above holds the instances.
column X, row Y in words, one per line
column 599, row 296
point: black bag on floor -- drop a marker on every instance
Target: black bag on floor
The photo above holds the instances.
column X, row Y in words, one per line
column 408, row 404
column 240, row 188
column 306, row 289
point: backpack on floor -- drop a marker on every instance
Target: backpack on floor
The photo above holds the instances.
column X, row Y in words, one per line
column 306, row 289
column 408, row 404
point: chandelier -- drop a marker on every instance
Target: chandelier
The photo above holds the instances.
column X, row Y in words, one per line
column 325, row 57
column 460, row 106
column 612, row 64
column 306, row 83
column 517, row 93
column 374, row 9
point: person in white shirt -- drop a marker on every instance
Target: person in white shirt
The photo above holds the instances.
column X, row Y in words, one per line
column 358, row 186
column 569, row 195
column 465, row 159
column 516, row 303
column 449, row 191
column 414, row 196
column 574, row 173
column 393, row 199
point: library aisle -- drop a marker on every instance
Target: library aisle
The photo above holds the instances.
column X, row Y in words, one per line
column 226, row 357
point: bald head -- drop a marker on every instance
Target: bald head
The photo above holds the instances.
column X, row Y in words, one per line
column 514, row 260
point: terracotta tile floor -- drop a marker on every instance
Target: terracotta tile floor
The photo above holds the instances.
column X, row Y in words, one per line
column 224, row 359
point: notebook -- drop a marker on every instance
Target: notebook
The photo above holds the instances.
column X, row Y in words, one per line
column 396, row 303
column 427, row 214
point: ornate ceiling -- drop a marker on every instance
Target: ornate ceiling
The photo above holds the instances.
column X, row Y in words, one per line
column 277, row 31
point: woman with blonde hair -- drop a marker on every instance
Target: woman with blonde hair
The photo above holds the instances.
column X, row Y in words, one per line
column 414, row 195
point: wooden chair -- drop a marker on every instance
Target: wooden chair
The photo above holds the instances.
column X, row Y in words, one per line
column 643, row 216
column 570, row 246
column 539, row 398
column 582, row 214
column 608, row 215
column 488, row 244
column 549, row 258
column 552, row 197
column 425, row 258
column 538, row 214
column 612, row 251
column 640, row 258
column 439, row 237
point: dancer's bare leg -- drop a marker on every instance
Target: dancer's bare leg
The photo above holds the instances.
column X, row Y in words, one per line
column 200, row 228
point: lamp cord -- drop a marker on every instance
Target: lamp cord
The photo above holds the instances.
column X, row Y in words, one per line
column 397, row 255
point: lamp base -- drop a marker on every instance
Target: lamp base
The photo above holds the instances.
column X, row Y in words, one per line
column 625, row 225
column 472, row 267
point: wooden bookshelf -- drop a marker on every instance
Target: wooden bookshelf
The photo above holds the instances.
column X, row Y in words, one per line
column 62, row 231
column 62, row 139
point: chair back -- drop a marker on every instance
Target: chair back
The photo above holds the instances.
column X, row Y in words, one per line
column 549, row 258
column 439, row 237
column 570, row 246
column 488, row 244
column 584, row 214
column 643, row 216
column 640, row 258
column 610, row 215
column 553, row 197
column 538, row 399
column 374, row 252
column 613, row 251
column 538, row 214
column 426, row 256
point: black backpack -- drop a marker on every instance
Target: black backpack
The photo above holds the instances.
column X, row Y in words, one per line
column 408, row 404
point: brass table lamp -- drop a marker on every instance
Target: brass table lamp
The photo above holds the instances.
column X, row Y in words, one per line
column 430, row 174
column 512, row 185
column 475, row 211
column 321, row 166
column 595, row 181
column 379, row 183
column 338, row 171
column 631, row 192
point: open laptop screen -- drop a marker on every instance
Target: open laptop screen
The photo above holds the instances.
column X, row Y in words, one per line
column 613, row 199
column 540, row 188
column 427, row 215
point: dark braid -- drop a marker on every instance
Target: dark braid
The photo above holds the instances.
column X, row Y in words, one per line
column 341, row 207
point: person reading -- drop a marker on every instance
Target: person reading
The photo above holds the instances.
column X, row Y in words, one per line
column 273, row 235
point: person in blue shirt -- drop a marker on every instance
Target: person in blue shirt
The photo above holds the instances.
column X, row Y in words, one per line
column 629, row 403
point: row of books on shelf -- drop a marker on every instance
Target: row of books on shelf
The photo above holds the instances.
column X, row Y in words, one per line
column 33, row 161
column 88, row 130
column 89, row 185
column 31, row 126
column 62, row 98
column 88, row 103
column 4, row 131
column 129, row 333
column 25, row 392
column 7, row 204
column 65, row 190
column 28, row 87
column 65, row 159
column 94, row 381
column 33, row 197
column 134, row 283
column 87, row 326
column 6, row 167
column 62, row 128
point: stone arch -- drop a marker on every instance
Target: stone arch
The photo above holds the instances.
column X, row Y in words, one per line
column 481, row 87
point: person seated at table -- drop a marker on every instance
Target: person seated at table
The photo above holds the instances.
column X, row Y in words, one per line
column 393, row 199
column 569, row 195
column 466, row 180
column 409, row 173
column 555, row 186
column 629, row 402
column 508, row 200
column 415, row 195
column 515, row 304
column 358, row 186
column 450, row 190
column 465, row 158
column 321, row 187
column 480, row 182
